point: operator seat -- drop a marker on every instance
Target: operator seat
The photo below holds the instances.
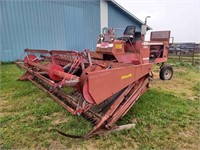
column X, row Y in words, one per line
column 129, row 38
column 129, row 32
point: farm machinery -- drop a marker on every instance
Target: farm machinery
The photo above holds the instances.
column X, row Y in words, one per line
column 102, row 85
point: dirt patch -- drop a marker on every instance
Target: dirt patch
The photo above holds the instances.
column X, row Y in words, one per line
column 8, row 113
column 47, row 118
column 59, row 121
column 30, row 117
column 5, row 105
column 188, row 140
column 56, row 114
column 58, row 118
column 57, row 145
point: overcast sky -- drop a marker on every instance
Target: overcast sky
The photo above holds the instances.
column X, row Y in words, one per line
column 182, row 17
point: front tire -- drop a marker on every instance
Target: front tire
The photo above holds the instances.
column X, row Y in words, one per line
column 166, row 72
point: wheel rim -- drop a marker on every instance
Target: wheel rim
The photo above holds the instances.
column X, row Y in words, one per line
column 168, row 74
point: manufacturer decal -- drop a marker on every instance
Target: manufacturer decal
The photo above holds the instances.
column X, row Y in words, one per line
column 118, row 46
column 126, row 76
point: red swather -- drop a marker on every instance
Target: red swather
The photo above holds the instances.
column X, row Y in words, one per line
column 103, row 84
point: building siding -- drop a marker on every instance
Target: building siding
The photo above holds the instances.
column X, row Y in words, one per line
column 48, row 25
column 54, row 24
column 119, row 19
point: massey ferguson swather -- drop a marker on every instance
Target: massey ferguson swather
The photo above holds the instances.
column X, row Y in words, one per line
column 102, row 85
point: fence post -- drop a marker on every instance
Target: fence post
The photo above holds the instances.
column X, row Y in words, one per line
column 193, row 57
column 179, row 55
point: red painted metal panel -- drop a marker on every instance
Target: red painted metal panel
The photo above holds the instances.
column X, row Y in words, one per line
column 160, row 36
column 105, row 83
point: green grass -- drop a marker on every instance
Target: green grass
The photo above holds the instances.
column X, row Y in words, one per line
column 166, row 117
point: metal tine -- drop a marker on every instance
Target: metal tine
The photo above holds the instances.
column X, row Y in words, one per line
column 94, row 122
column 87, row 117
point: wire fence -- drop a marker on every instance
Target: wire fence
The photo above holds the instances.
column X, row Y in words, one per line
column 184, row 55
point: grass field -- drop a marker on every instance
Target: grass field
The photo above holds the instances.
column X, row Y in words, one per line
column 166, row 117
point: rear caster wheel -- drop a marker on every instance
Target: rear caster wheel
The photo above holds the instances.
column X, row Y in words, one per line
column 166, row 72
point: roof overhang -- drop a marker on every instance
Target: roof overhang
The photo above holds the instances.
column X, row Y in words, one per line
column 128, row 13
